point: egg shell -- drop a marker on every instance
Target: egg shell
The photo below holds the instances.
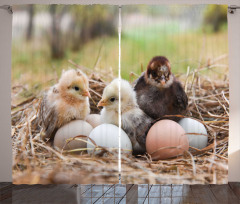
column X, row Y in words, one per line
column 163, row 137
column 94, row 120
column 70, row 130
column 106, row 135
column 199, row 139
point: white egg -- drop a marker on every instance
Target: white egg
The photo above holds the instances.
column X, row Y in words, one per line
column 106, row 135
column 198, row 140
column 70, row 130
column 94, row 120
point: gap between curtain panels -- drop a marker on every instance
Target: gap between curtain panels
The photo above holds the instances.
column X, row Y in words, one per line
column 119, row 90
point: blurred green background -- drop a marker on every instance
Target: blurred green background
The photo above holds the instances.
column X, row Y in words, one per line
column 45, row 38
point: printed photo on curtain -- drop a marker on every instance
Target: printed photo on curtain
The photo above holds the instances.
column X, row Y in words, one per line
column 68, row 101
column 62, row 59
column 176, row 58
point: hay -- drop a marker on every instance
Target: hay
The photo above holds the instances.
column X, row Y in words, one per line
column 209, row 104
column 36, row 162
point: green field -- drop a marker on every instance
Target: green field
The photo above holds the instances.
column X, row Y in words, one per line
column 32, row 64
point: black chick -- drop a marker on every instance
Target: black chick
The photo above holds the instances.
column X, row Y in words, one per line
column 159, row 93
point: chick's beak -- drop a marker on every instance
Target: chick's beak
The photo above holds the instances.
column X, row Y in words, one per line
column 163, row 82
column 102, row 103
column 86, row 93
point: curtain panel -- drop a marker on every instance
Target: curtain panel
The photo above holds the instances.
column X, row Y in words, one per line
column 132, row 94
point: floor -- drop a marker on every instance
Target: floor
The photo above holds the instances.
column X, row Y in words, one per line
column 228, row 193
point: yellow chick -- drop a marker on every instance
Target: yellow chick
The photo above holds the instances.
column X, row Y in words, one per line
column 134, row 121
column 66, row 101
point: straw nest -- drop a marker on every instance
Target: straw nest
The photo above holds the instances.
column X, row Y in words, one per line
column 34, row 161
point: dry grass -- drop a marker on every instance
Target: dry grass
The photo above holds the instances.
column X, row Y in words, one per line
column 36, row 162
column 208, row 102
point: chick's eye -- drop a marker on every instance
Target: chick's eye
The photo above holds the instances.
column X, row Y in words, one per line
column 154, row 74
column 76, row 88
column 112, row 99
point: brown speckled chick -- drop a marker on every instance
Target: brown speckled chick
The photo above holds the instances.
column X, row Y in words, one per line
column 159, row 93
column 66, row 101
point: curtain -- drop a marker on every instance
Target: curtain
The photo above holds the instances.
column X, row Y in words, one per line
column 132, row 94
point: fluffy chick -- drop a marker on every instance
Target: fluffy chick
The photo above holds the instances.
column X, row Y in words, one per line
column 67, row 100
column 159, row 93
column 134, row 121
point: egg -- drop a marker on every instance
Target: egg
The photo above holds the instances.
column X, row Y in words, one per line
column 166, row 139
column 94, row 120
column 199, row 139
column 106, row 135
column 70, row 130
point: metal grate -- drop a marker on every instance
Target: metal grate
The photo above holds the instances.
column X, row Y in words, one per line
column 143, row 193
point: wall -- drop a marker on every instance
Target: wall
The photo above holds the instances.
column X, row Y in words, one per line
column 5, row 93
column 234, row 84
column 5, row 76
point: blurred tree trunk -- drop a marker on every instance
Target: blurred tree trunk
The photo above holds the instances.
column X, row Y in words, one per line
column 30, row 23
column 75, row 39
column 90, row 22
column 57, row 49
column 81, row 36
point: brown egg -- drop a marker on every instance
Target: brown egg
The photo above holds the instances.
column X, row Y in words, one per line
column 70, row 130
column 94, row 120
column 166, row 139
